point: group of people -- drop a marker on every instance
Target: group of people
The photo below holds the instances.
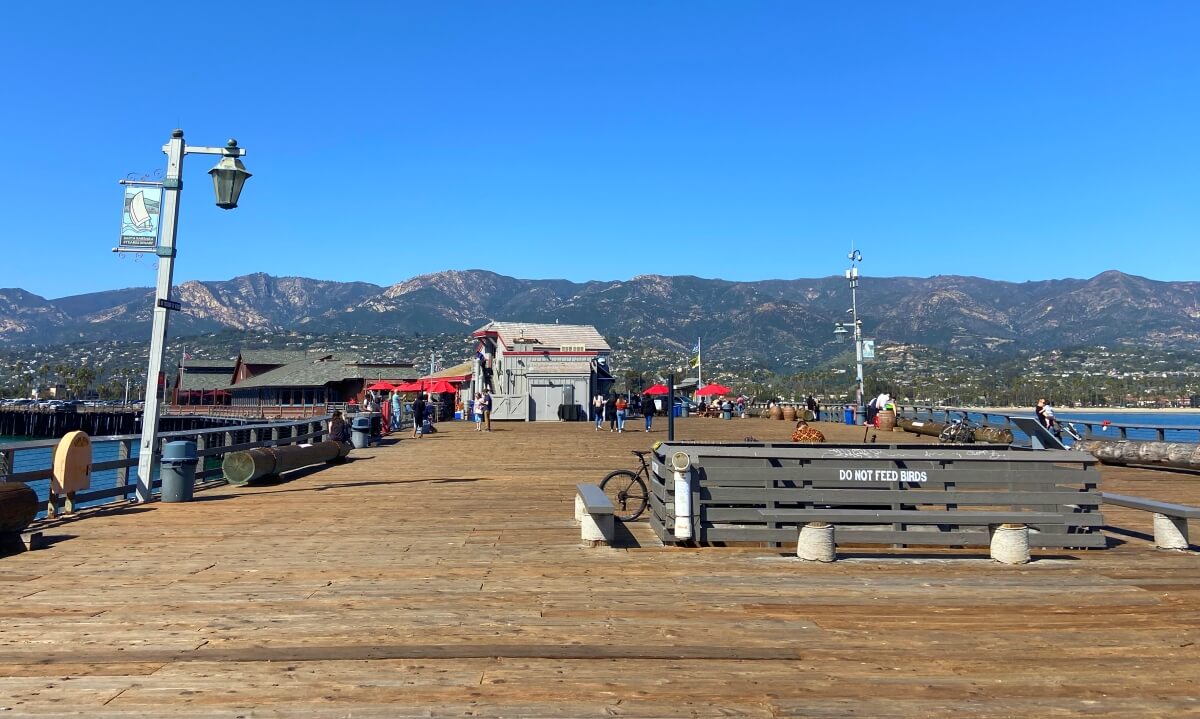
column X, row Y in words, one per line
column 617, row 408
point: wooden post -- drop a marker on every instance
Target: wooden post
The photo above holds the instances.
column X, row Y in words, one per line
column 124, row 449
column 6, row 463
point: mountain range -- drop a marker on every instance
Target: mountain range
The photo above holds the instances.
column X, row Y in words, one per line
column 776, row 323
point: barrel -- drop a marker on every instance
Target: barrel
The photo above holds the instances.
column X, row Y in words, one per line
column 18, row 506
column 789, row 414
column 1179, row 455
column 887, row 420
column 776, row 412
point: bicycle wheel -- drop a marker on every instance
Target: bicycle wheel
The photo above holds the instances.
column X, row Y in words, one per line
column 947, row 433
column 627, row 492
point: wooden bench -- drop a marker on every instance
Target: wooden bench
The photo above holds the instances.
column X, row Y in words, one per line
column 594, row 512
column 820, row 544
column 1170, row 520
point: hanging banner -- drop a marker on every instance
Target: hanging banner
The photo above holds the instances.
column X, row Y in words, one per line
column 868, row 350
column 140, row 218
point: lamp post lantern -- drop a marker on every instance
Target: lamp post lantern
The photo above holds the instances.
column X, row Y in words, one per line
column 855, row 331
column 229, row 176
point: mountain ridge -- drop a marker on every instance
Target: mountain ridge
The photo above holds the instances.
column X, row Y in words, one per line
column 761, row 321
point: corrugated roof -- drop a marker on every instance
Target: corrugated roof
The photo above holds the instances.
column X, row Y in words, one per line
column 203, row 381
column 458, row 370
column 320, row 372
column 278, row 357
column 547, row 336
column 210, row 364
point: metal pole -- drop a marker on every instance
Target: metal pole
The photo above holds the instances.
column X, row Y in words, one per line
column 671, row 408
column 857, row 347
column 172, row 185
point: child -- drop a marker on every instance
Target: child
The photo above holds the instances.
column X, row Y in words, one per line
column 478, row 412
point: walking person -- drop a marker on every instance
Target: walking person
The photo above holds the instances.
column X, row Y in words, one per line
column 610, row 412
column 418, row 410
column 598, row 410
column 648, row 411
column 814, row 408
column 622, row 406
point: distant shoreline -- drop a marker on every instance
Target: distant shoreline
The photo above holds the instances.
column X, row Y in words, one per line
column 1088, row 410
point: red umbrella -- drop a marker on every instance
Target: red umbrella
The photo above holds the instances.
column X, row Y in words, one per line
column 383, row 385
column 413, row 386
column 439, row 386
column 713, row 389
column 657, row 389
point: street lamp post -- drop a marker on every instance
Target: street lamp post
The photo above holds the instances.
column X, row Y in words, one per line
column 840, row 331
column 229, row 176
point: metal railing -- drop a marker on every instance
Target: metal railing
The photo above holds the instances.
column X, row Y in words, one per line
column 215, row 442
column 1095, row 428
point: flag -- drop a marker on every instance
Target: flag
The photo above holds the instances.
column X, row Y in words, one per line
column 695, row 361
column 186, row 356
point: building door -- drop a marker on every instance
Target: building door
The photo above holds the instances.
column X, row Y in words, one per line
column 545, row 397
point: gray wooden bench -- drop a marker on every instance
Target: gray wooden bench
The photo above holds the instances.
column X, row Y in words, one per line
column 1170, row 520
column 594, row 512
column 1002, row 528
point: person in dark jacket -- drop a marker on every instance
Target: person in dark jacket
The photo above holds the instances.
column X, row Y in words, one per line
column 610, row 411
column 418, row 410
column 814, row 408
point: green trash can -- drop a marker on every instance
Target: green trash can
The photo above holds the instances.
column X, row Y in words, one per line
column 178, row 471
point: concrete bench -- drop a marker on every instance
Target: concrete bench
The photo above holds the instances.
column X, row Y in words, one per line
column 1008, row 535
column 594, row 512
column 1170, row 520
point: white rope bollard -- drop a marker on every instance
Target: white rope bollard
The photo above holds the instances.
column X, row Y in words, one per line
column 580, row 509
column 1170, row 532
column 815, row 543
column 1010, row 544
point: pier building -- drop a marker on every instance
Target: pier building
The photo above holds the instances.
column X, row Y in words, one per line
column 541, row 372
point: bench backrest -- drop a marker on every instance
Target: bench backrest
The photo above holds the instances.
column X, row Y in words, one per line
column 732, row 482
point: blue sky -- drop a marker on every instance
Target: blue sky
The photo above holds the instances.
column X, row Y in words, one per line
column 601, row 140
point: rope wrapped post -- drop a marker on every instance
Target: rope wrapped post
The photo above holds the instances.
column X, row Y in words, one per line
column 580, row 509
column 815, row 543
column 1170, row 532
column 1010, row 543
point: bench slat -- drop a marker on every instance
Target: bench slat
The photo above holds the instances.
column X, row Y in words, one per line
column 870, row 516
column 594, row 499
column 1151, row 505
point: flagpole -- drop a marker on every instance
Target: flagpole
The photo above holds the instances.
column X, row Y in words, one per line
column 699, row 366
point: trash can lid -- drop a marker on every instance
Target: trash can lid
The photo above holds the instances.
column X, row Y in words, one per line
column 179, row 450
column 361, row 423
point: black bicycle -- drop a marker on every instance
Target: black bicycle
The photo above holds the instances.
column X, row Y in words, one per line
column 628, row 489
column 959, row 431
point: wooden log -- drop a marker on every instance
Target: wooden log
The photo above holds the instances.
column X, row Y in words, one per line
column 252, row 464
column 18, row 506
column 992, row 435
column 1177, row 455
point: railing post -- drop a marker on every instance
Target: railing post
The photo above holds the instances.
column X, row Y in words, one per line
column 6, row 463
column 124, row 450
column 201, row 445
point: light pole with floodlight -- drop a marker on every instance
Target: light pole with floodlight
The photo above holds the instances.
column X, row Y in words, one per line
column 229, row 176
column 840, row 331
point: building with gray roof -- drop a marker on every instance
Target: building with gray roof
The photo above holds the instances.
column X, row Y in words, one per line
column 541, row 372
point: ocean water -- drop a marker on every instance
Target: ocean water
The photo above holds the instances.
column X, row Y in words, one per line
column 31, row 460
column 1187, row 423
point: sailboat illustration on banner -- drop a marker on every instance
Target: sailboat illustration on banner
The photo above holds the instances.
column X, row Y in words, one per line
column 138, row 212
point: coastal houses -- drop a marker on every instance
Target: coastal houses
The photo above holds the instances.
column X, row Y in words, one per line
column 540, row 372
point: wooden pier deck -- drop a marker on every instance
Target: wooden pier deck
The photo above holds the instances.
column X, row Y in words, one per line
column 445, row 577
